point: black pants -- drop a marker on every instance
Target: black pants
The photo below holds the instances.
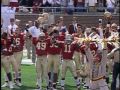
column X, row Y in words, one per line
column 116, row 72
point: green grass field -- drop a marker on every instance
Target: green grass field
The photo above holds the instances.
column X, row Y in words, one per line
column 29, row 79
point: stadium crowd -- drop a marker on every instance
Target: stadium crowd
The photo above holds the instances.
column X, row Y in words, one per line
column 71, row 5
column 91, row 53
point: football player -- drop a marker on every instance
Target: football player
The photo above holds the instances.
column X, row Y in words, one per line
column 7, row 51
column 18, row 38
column 41, row 62
column 53, row 57
column 67, row 52
column 85, row 69
column 97, row 61
column 78, row 57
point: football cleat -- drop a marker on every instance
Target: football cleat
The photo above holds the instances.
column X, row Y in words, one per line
column 4, row 85
column 86, row 87
column 62, row 88
column 54, row 89
column 38, row 87
column 18, row 83
column 11, row 85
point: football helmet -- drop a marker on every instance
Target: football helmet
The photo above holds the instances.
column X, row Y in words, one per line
column 42, row 36
column 68, row 39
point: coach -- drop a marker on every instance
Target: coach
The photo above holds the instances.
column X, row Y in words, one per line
column 34, row 31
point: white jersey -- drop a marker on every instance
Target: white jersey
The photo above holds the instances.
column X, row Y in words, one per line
column 97, row 70
column 11, row 28
column 114, row 34
column 35, row 32
column 110, row 3
column 49, row 1
column 96, row 36
column 91, row 2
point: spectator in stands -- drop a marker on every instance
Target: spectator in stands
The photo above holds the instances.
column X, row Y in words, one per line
column 100, row 6
column 39, row 3
column 29, row 4
column 75, row 24
column 71, row 29
column 61, row 27
column 117, row 5
column 36, row 5
column 110, row 5
column 47, row 3
column 5, row 2
column 91, row 4
column 22, row 2
column 80, row 5
column 70, row 6
column 57, row 3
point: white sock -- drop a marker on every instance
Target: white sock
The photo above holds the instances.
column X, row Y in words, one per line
column 39, row 82
column 87, row 81
column 77, row 82
column 62, row 83
column 47, row 81
column 118, row 83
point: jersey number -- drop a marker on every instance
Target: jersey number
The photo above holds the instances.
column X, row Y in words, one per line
column 17, row 40
column 67, row 48
column 53, row 46
column 41, row 46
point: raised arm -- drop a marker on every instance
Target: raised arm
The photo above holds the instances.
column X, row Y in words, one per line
column 104, row 51
column 88, row 51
